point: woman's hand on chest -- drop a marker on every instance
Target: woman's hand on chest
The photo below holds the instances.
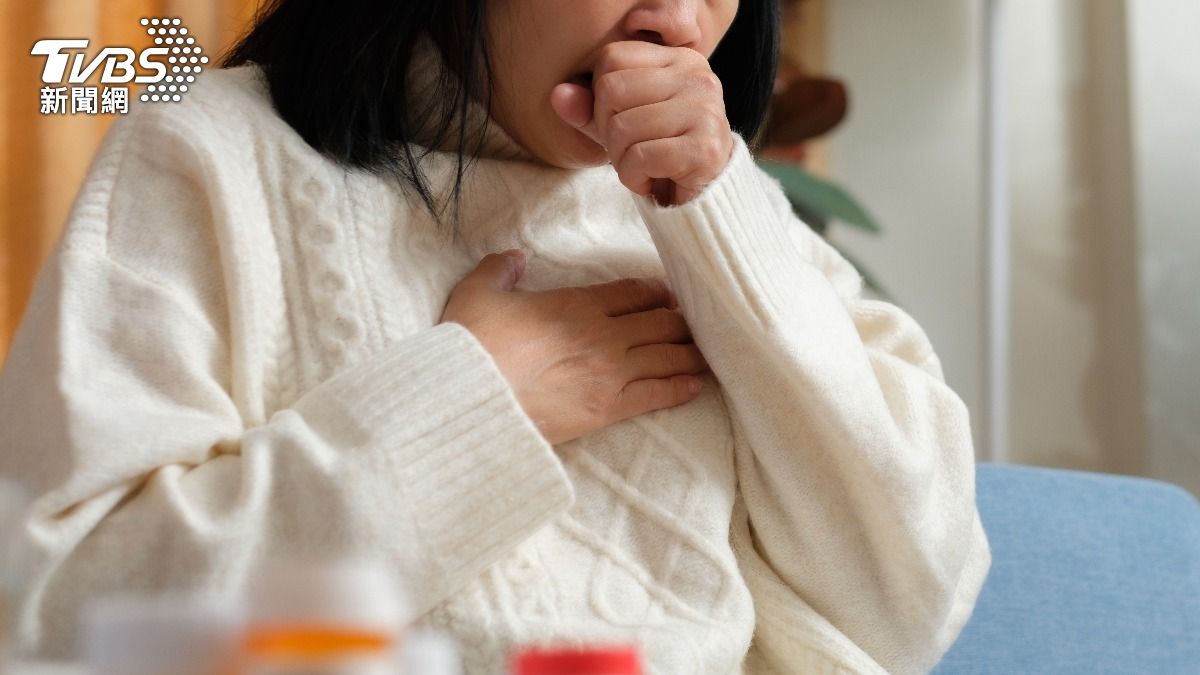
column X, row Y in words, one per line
column 584, row 357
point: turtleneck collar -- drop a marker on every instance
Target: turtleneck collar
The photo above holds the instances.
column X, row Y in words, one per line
column 432, row 85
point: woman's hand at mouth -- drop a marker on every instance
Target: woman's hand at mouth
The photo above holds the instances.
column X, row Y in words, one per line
column 660, row 114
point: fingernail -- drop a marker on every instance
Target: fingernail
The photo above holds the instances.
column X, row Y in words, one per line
column 694, row 384
column 514, row 253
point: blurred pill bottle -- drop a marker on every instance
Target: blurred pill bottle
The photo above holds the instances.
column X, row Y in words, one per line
column 13, row 506
column 427, row 652
column 162, row 634
column 332, row 616
column 599, row 660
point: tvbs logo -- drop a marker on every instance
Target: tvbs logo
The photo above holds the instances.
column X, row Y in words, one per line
column 166, row 69
column 117, row 61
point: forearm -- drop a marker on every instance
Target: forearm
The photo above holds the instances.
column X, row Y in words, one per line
column 854, row 457
column 153, row 480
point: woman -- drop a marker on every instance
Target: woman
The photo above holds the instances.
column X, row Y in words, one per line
column 258, row 337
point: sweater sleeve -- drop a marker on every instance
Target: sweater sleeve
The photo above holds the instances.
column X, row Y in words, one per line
column 116, row 414
column 854, row 458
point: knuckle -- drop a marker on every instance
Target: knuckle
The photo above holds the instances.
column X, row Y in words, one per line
column 597, row 402
column 606, row 86
column 575, row 300
column 605, row 60
column 628, row 174
column 673, row 359
column 713, row 147
column 714, row 123
column 592, row 365
column 697, row 58
column 636, row 156
column 712, row 83
column 714, row 151
column 705, row 81
column 655, row 394
column 620, row 132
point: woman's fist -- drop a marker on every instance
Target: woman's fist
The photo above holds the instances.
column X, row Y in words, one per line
column 659, row 112
column 583, row 357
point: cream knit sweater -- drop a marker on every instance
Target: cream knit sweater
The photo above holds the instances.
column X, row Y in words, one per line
column 233, row 355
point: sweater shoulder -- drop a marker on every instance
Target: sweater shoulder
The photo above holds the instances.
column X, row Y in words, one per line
column 171, row 181
column 228, row 119
column 223, row 123
column 219, row 112
column 225, row 107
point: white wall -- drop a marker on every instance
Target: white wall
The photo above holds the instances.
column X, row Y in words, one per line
column 1103, row 142
column 1165, row 74
column 910, row 151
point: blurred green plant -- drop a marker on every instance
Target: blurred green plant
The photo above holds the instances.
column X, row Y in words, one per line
column 819, row 203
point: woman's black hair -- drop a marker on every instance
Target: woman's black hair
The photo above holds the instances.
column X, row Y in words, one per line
column 336, row 74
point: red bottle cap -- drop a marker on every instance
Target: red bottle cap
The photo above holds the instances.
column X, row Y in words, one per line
column 570, row 661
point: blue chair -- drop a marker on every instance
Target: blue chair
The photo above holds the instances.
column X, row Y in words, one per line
column 1091, row 573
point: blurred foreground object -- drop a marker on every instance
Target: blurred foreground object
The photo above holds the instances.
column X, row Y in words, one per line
column 159, row 634
column 429, row 652
column 313, row 616
column 617, row 660
column 341, row 616
column 13, row 503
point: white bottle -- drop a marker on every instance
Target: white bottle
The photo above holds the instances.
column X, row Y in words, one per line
column 157, row 634
column 14, row 504
column 335, row 616
column 429, row 652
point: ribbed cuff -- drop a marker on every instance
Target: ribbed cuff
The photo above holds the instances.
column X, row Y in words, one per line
column 728, row 245
column 477, row 474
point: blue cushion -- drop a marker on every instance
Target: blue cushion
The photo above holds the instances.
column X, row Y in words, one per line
column 1091, row 573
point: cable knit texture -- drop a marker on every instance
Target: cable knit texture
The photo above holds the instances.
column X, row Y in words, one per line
column 233, row 354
